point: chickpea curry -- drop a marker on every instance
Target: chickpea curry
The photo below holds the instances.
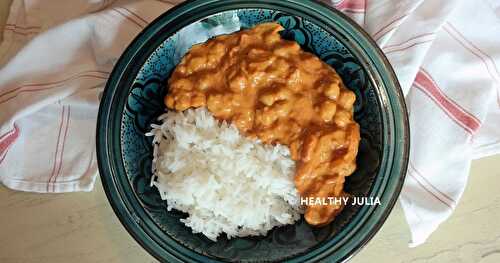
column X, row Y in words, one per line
column 271, row 89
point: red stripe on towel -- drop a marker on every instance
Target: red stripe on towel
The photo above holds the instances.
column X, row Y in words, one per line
column 57, row 148
column 128, row 17
column 466, row 120
column 48, row 85
column 487, row 60
column 7, row 140
column 429, row 191
column 61, row 156
column 445, row 196
column 389, row 27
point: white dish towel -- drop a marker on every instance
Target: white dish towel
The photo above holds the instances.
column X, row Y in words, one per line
column 56, row 56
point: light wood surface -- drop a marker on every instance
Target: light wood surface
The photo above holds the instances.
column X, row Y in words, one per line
column 4, row 10
column 81, row 227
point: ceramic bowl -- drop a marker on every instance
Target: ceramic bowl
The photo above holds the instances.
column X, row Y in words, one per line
column 133, row 99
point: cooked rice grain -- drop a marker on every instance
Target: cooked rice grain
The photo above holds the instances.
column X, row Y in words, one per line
column 227, row 183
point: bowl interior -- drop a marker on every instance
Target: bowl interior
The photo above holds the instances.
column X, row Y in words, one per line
column 145, row 103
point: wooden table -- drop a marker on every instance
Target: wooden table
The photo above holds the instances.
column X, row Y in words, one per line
column 81, row 227
column 4, row 10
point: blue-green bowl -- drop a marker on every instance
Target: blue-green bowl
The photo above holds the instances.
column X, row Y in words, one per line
column 133, row 98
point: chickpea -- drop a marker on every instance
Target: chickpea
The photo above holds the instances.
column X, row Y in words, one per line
column 332, row 90
column 219, row 105
column 182, row 84
column 181, row 68
column 205, row 82
column 198, row 100
column 294, row 77
column 170, row 102
column 183, row 102
column 233, row 52
column 238, row 83
column 327, row 110
column 271, row 38
column 309, row 144
column 232, row 71
column 284, row 50
column 261, row 65
column 267, row 135
column 313, row 215
column 346, row 99
column 244, row 120
column 265, row 117
column 295, row 149
column 339, row 136
column 312, row 63
column 196, row 64
column 215, row 53
column 280, row 68
column 342, row 168
column 342, row 118
column 282, row 108
column 254, row 53
column 212, row 60
column 217, row 48
column 245, row 39
column 268, row 98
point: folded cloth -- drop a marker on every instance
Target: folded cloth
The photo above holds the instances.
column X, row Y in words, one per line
column 56, row 57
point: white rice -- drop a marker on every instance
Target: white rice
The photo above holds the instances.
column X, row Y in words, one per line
column 227, row 183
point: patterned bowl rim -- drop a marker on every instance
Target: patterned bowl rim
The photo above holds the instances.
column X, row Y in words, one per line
column 396, row 137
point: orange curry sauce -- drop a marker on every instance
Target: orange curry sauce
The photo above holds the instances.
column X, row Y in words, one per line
column 271, row 89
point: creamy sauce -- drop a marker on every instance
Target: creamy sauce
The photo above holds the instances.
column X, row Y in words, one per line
column 272, row 90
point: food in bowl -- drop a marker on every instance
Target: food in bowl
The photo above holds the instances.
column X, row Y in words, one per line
column 227, row 183
column 274, row 93
column 133, row 99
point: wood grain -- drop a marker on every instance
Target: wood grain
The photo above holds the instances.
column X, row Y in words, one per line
column 76, row 227
column 4, row 11
column 81, row 227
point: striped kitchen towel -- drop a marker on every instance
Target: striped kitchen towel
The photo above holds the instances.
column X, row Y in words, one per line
column 56, row 56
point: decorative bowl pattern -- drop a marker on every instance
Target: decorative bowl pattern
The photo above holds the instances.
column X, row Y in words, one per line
column 133, row 99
